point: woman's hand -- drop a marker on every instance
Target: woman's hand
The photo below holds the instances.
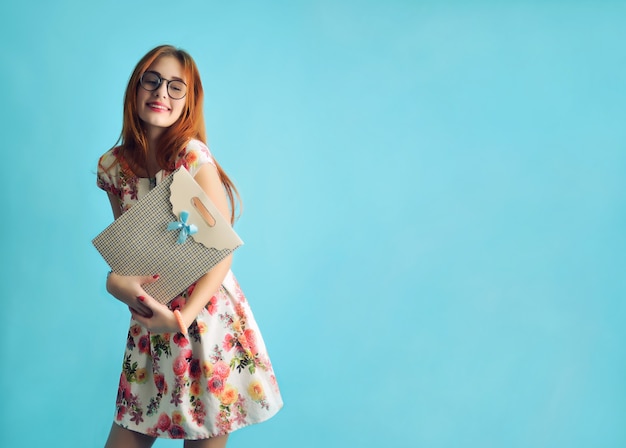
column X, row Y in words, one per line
column 128, row 289
column 161, row 318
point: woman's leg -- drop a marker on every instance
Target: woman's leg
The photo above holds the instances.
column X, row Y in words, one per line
column 213, row 442
column 125, row 438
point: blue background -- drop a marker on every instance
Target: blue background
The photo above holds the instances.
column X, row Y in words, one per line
column 434, row 214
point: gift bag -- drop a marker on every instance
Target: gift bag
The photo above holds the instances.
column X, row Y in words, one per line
column 174, row 231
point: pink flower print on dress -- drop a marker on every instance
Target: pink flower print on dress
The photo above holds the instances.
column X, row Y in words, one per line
column 121, row 410
column 144, row 344
column 240, row 310
column 212, row 305
column 191, row 159
column 251, row 339
column 180, row 366
column 195, row 371
column 215, row 384
column 159, row 382
column 221, row 369
column 124, row 388
column 180, row 340
column 164, row 422
column 176, row 432
column 229, row 342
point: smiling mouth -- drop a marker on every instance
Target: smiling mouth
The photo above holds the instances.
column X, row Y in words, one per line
column 158, row 106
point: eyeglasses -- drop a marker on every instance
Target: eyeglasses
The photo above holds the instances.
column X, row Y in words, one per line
column 151, row 81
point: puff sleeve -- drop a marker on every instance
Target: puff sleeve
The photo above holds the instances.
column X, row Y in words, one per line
column 196, row 155
column 107, row 164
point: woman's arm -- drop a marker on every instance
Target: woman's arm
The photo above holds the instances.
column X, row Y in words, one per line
column 208, row 285
column 163, row 319
column 128, row 289
column 115, row 205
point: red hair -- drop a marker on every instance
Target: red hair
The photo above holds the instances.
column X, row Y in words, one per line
column 190, row 125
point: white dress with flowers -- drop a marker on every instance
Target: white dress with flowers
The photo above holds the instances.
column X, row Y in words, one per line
column 211, row 382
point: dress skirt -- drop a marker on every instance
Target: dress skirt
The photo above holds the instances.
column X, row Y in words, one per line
column 211, row 382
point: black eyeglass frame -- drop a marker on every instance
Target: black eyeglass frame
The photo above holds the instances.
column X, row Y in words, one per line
column 161, row 79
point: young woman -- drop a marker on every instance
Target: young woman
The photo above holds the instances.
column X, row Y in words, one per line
column 197, row 368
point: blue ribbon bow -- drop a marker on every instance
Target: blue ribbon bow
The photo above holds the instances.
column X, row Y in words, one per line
column 185, row 229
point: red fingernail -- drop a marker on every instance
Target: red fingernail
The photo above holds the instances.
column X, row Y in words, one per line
column 141, row 298
column 155, row 276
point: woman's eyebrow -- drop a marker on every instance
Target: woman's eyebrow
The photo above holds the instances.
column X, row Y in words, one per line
column 161, row 76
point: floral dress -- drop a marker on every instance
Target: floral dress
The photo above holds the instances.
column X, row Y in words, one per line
column 214, row 380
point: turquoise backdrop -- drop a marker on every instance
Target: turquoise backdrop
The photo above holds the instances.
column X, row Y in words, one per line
column 435, row 205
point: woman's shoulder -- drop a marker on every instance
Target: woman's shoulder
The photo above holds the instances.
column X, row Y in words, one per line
column 195, row 154
column 108, row 170
column 109, row 160
column 198, row 147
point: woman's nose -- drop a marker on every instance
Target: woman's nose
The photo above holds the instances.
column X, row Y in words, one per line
column 161, row 90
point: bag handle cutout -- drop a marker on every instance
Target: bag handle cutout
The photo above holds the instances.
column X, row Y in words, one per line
column 204, row 212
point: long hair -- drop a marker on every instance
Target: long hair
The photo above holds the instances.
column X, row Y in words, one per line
column 190, row 125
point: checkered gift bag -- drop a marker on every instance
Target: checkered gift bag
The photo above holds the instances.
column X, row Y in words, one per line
column 174, row 231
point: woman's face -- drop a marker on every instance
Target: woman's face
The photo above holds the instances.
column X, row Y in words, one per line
column 157, row 109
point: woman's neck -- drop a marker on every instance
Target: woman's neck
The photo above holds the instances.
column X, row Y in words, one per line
column 153, row 134
column 152, row 166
